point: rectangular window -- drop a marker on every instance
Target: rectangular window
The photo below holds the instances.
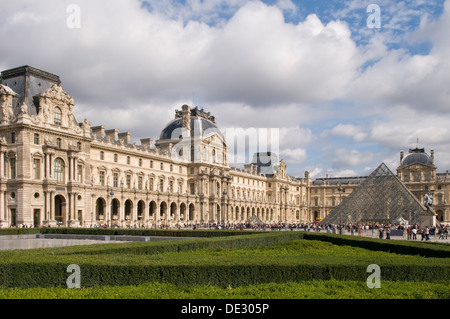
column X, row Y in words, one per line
column 59, row 170
column 102, row 178
column 171, row 186
column 128, row 181
column 36, row 168
column 192, row 188
column 12, row 166
column 36, row 139
column 161, row 185
column 180, row 187
column 80, row 173
column 116, row 180
column 150, row 184
column 140, row 182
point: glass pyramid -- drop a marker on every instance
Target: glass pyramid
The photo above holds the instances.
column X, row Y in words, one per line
column 382, row 198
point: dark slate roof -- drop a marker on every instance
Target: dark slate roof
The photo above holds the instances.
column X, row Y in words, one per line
column 199, row 128
column 266, row 162
column 417, row 156
column 28, row 82
column 339, row 180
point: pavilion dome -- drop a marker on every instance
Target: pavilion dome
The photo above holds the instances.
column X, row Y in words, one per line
column 417, row 156
column 200, row 127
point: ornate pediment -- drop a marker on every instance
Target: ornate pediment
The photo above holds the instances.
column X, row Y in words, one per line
column 6, row 90
column 57, row 93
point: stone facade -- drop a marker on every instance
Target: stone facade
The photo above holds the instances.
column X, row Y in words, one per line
column 55, row 170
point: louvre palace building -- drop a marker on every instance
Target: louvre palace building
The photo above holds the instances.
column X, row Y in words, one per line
column 56, row 171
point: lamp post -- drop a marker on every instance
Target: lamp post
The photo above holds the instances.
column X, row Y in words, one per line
column 340, row 190
column 111, row 193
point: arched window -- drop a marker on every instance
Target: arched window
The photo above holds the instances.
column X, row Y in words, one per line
column 59, row 170
column 57, row 116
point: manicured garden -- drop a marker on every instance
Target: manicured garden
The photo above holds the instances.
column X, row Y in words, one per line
column 237, row 264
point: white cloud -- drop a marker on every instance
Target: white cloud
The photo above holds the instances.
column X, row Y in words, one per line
column 129, row 67
column 349, row 130
column 293, row 156
column 350, row 158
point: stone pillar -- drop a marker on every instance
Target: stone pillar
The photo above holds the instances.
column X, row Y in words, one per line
column 2, row 165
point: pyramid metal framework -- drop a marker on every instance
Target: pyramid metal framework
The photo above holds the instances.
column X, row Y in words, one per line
column 254, row 220
column 381, row 198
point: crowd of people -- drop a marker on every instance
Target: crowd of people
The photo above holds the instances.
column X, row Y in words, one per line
column 373, row 230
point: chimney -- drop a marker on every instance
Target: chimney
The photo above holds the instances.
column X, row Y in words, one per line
column 147, row 142
column 401, row 156
column 186, row 117
column 98, row 131
column 112, row 135
column 432, row 156
column 125, row 137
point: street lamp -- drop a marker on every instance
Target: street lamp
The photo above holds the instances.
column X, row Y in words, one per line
column 111, row 193
column 340, row 190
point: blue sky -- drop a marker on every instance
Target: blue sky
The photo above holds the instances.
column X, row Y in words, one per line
column 344, row 96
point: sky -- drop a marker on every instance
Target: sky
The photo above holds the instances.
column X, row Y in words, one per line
column 346, row 84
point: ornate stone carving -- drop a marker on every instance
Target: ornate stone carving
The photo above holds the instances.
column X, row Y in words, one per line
column 6, row 105
column 56, row 93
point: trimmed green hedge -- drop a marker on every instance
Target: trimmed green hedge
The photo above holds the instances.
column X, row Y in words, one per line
column 426, row 249
column 331, row 289
column 19, row 231
column 54, row 274
column 235, row 261
column 183, row 245
column 223, row 261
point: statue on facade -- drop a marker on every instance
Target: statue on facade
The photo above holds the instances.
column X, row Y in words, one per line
column 428, row 201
